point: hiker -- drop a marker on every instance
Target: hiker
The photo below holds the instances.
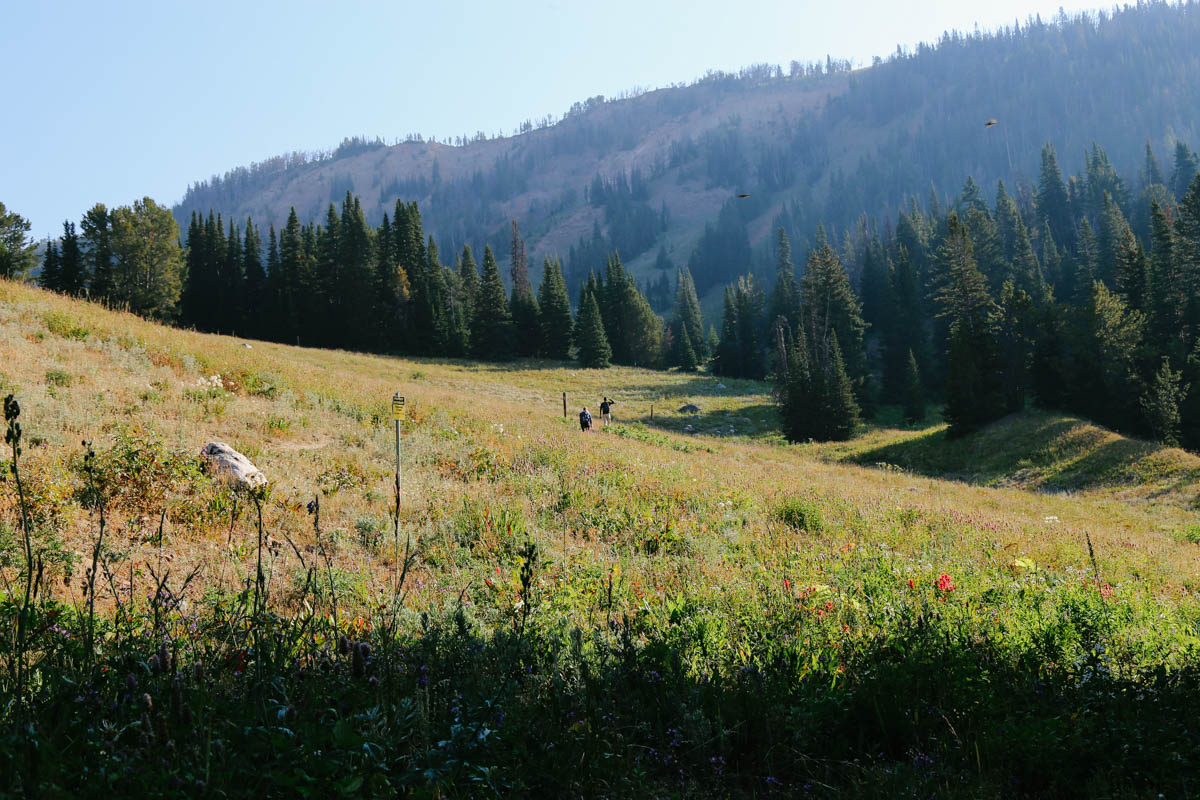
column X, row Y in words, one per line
column 585, row 420
column 606, row 410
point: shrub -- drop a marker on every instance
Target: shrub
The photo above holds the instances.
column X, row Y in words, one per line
column 801, row 514
column 62, row 324
column 58, row 378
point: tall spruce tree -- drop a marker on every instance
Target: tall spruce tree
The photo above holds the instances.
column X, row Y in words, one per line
column 554, row 312
column 50, row 277
column 687, row 324
column 974, row 394
column 96, row 235
column 254, row 296
column 1053, row 205
column 830, row 304
column 74, row 272
column 492, row 328
column 523, row 304
column 594, row 350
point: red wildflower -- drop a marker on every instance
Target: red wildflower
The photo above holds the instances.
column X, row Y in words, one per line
column 787, row 586
column 944, row 584
column 911, row 585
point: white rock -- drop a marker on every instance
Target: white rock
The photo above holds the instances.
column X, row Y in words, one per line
column 232, row 467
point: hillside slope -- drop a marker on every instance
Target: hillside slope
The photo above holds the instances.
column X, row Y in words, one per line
column 807, row 149
column 633, row 612
column 317, row 422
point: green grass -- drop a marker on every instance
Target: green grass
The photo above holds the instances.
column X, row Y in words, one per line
column 638, row 612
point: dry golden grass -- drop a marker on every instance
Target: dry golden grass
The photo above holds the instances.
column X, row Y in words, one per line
column 489, row 443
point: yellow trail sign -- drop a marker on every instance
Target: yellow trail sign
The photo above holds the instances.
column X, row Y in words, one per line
column 397, row 406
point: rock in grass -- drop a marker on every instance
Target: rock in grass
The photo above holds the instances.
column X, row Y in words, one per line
column 231, row 466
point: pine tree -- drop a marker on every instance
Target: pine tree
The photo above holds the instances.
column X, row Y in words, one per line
column 96, row 234
column 492, row 330
column 686, row 318
column 913, row 394
column 727, row 356
column 292, row 273
column 523, row 304
column 254, row 297
column 974, row 395
column 73, row 271
column 149, row 264
column 1152, row 174
column 1130, row 269
column 594, row 351
column 1114, row 230
column 687, row 354
column 1053, row 206
column 785, row 297
column 1161, row 403
column 1185, row 169
column 51, row 275
column 554, row 310
column 829, row 303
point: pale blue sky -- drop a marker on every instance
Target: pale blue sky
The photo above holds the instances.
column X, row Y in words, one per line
column 112, row 101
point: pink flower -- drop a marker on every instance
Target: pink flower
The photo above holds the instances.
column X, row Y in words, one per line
column 944, row 584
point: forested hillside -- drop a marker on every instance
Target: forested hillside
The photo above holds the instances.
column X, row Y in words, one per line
column 655, row 176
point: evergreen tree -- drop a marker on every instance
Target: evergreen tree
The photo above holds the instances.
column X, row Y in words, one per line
column 829, row 304
column 292, row 272
column 96, row 231
column 523, row 304
column 1130, row 270
column 149, row 264
column 594, row 351
column 1152, row 174
column 16, row 249
column 727, row 356
column 74, row 277
column 1185, row 168
column 913, row 394
column 1161, row 402
column 839, row 412
column 254, row 297
column 785, row 297
column 687, row 354
column 51, row 275
column 468, row 273
column 974, row 395
column 492, row 329
column 1053, row 207
column 1103, row 380
column 686, row 319
column 554, row 309
column 273, row 322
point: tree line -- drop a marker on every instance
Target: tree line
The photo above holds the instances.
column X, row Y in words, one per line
column 1083, row 296
column 346, row 284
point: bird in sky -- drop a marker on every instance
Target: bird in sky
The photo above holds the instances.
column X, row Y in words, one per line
column 990, row 123
column 743, row 196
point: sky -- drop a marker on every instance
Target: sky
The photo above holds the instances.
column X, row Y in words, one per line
column 110, row 102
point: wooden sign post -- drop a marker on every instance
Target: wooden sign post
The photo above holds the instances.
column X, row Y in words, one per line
column 398, row 416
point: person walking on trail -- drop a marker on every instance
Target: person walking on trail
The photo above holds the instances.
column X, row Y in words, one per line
column 606, row 410
column 585, row 420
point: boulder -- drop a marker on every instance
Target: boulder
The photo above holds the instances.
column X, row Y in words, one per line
column 690, row 408
column 231, row 466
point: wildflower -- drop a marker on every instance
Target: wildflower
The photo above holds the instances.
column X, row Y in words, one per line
column 787, row 586
column 944, row 583
column 911, row 585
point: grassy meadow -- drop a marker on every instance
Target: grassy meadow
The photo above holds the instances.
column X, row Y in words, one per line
column 679, row 605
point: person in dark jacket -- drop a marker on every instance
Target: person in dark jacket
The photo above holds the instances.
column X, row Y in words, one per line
column 585, row 420
column 606, row 410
